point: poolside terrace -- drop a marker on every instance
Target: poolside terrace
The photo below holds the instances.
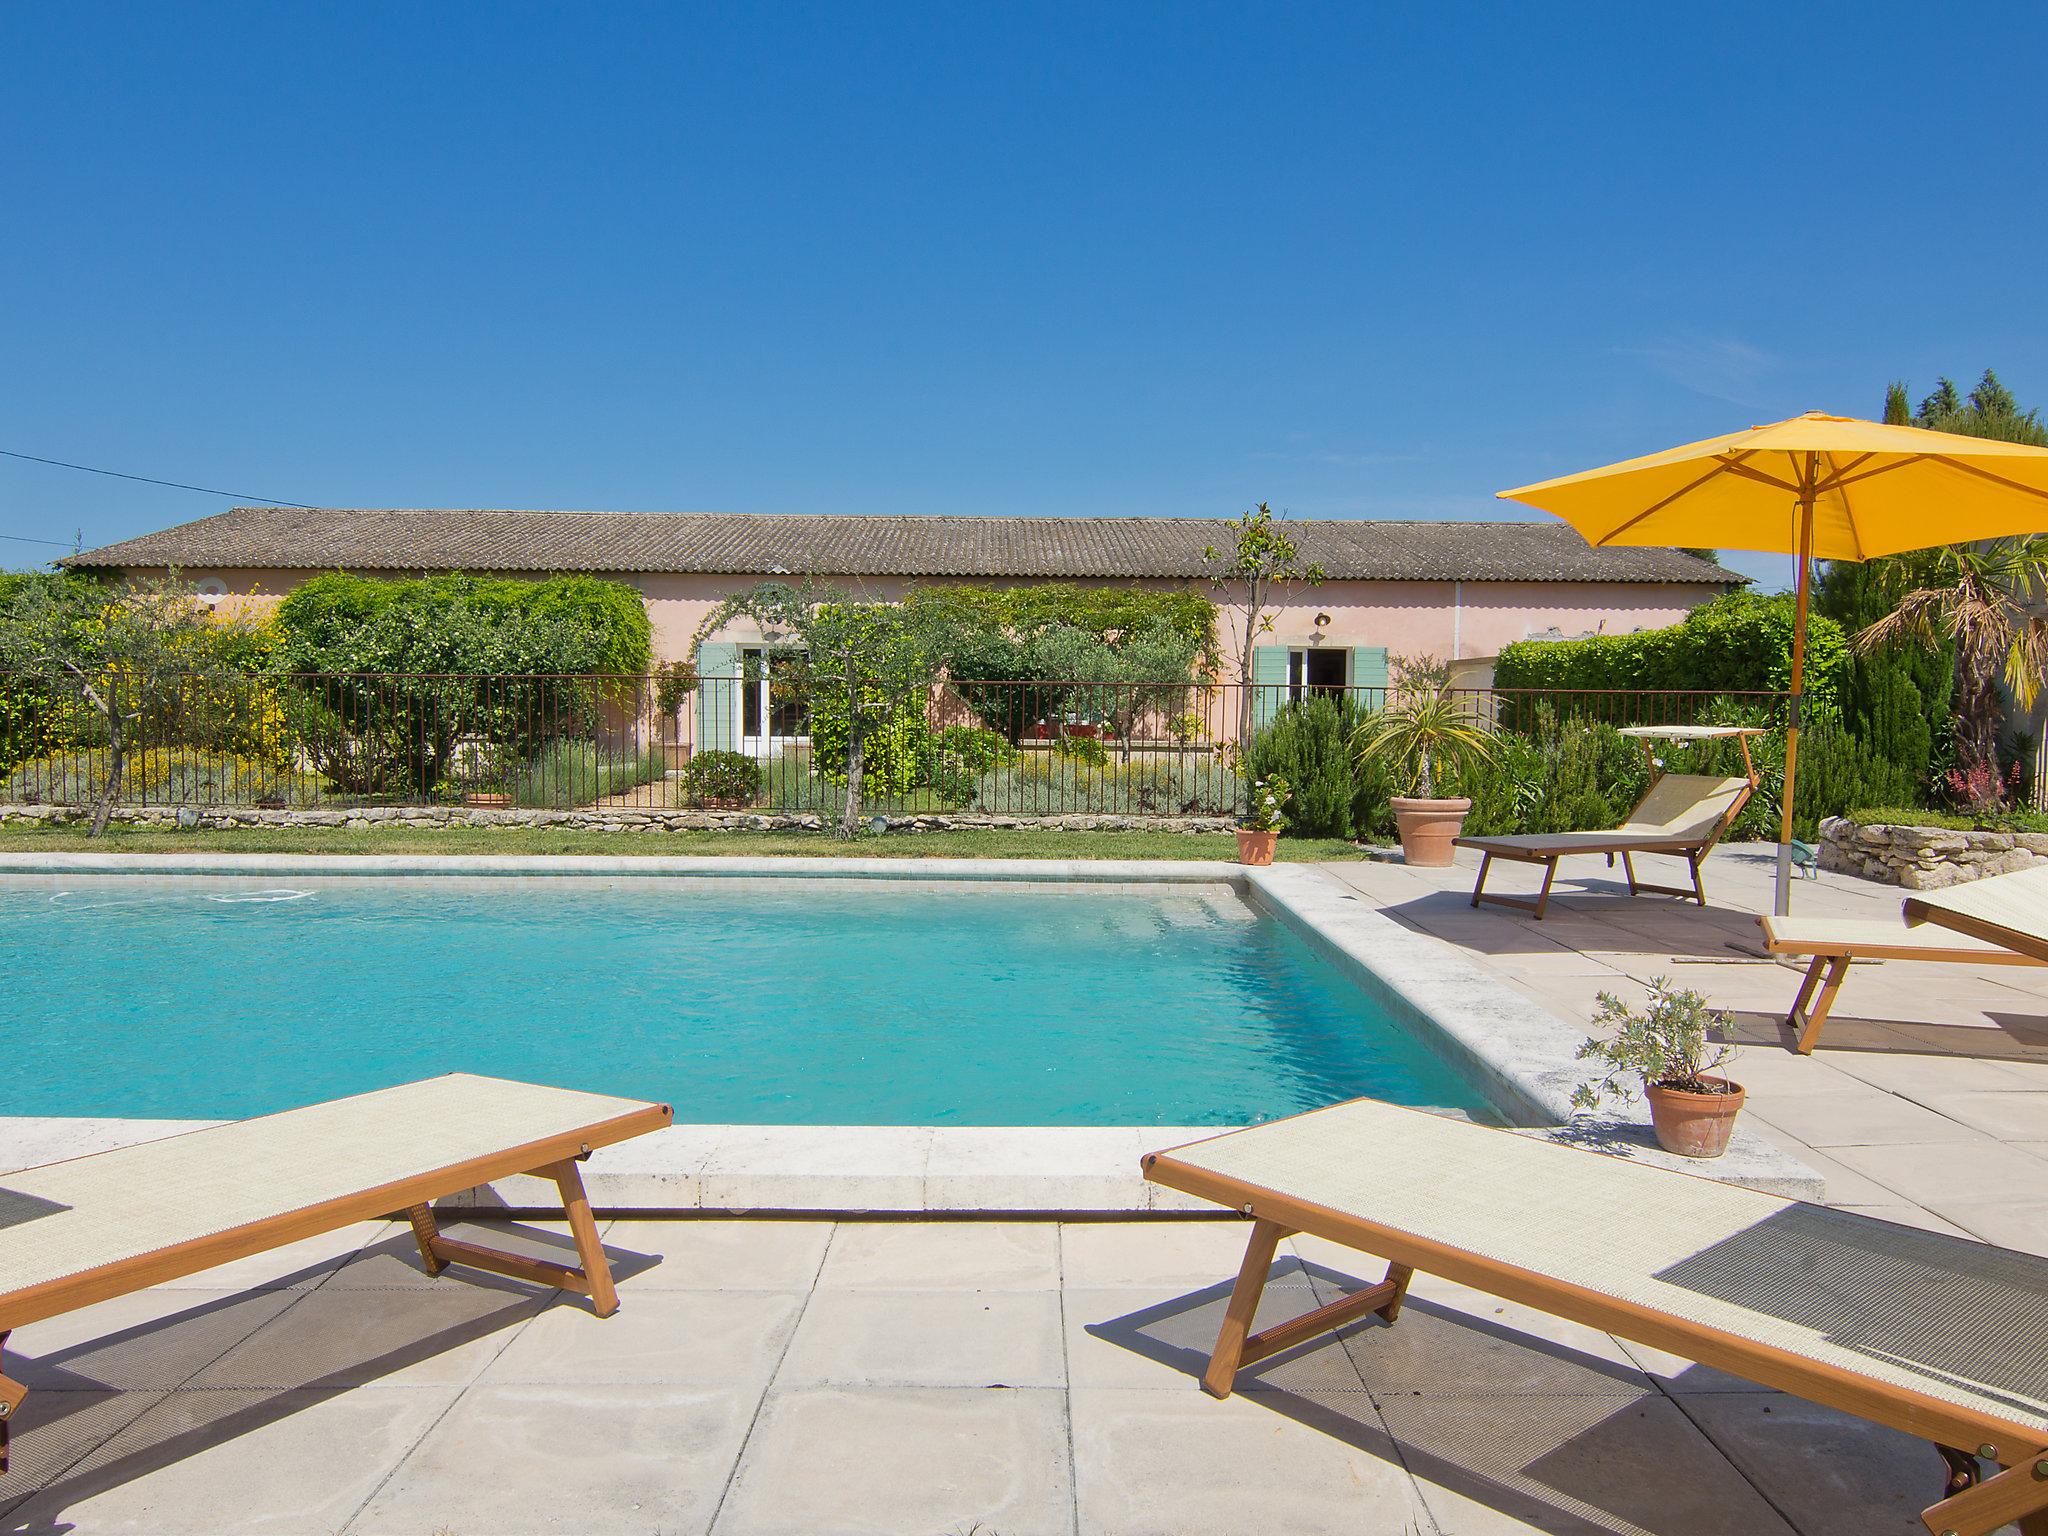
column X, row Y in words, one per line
column 1013, row 1376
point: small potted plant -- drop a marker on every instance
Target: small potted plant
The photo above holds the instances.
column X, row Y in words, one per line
column 1425, row 727
column 1264, row 817
column 1665, row 1050
column 490, row 766
column 674, row 683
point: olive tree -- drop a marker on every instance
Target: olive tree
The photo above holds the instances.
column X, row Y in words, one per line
column 1148, row 671
column 865, row 662
column 1252, row 574
column 128, row 655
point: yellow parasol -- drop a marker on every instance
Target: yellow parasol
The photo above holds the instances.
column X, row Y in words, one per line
column 1817, row 486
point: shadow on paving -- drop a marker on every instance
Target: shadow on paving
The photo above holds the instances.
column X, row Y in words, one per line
column 2015, row 1037
column 70, row 1437
column 1532, row 1429
column 1536, row 1432
column 1595, row 915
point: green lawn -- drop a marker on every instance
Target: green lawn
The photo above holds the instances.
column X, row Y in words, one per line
column 993, row 844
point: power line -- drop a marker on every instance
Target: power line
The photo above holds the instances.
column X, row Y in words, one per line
column 176, row 485
column 20, row 538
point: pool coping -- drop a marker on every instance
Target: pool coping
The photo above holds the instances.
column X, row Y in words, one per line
column 1517, row 1052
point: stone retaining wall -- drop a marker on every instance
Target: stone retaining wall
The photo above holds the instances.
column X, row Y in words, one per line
column 594, row 820
column 1925, row 858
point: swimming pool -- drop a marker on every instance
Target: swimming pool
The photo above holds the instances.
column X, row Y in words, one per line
column 740, row 1001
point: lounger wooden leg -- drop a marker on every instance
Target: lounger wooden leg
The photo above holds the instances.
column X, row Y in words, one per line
column 1817, row 1015
column 604, row 1298
column 1485, row 864
column 1979, row 1507
column 593, row 1279
column 1237, row 1347
column 427, row 1233
column 11, row 1395
column 1543, row 896
column 1813, row 972
column 1398, row 1276
column 1699, row 889
column 1244, row 1303
column 1628, row 865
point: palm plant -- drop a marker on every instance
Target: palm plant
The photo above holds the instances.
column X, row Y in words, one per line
column 1425, row 727
column 1987, row 599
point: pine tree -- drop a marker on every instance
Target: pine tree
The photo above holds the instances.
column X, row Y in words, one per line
column 1989, row 411
column 1897, row 411
column 1939, row 407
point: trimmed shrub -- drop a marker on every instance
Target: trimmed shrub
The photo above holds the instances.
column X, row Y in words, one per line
column 721, row 776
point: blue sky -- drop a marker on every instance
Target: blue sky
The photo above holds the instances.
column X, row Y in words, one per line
column 993, row 259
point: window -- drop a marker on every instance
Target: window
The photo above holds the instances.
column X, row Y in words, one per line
column 769, row 709
column 1317, row 671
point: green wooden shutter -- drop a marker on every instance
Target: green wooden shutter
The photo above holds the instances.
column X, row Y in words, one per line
column 718, row 695
column 1369, row 670
column 1269, row 683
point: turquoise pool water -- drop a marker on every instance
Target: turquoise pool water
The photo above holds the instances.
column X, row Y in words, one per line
column 760, row 1001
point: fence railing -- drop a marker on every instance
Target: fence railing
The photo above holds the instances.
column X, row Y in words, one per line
column 1023, row 747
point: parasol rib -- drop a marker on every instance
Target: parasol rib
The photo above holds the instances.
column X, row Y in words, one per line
column 1654, row 509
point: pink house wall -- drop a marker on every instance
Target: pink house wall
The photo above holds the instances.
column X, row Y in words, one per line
column 1458, row 622
column 1450, row 620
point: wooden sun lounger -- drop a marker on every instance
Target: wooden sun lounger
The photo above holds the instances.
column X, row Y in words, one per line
column 1684, row 815
column 2007, row 910
column 81, row 1231
column 1938, row 1336
column 1835, row 943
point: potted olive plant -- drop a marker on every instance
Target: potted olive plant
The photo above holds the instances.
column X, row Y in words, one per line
column 1664, row 1050
column 1264, row 817
column 674, row 683
column 1425, row 729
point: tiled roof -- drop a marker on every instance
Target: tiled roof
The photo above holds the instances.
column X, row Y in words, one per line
column 825, row 546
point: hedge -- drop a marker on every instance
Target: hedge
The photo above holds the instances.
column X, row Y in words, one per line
column 1741, row 643
column 566, row 624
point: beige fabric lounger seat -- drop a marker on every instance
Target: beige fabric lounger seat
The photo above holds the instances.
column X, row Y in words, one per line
column 1684, row 815
column 1836, row 942
column 77, row 1232
column 2008, row 910
column 1940, row 1337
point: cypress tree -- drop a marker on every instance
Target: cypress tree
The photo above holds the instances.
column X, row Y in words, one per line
column 1896, row 698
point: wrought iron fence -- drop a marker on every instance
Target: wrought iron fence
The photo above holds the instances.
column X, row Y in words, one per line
column 753, row 742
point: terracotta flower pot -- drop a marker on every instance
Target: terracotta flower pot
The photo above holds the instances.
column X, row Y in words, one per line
column 1427, row 827
column 1255, row 847
column 1695, row 1124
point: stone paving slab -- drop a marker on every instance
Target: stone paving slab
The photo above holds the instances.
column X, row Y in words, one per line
column 1930, row 1085
column 907, row 1377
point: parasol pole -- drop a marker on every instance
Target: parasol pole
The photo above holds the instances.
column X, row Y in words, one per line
column 1783, row 904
